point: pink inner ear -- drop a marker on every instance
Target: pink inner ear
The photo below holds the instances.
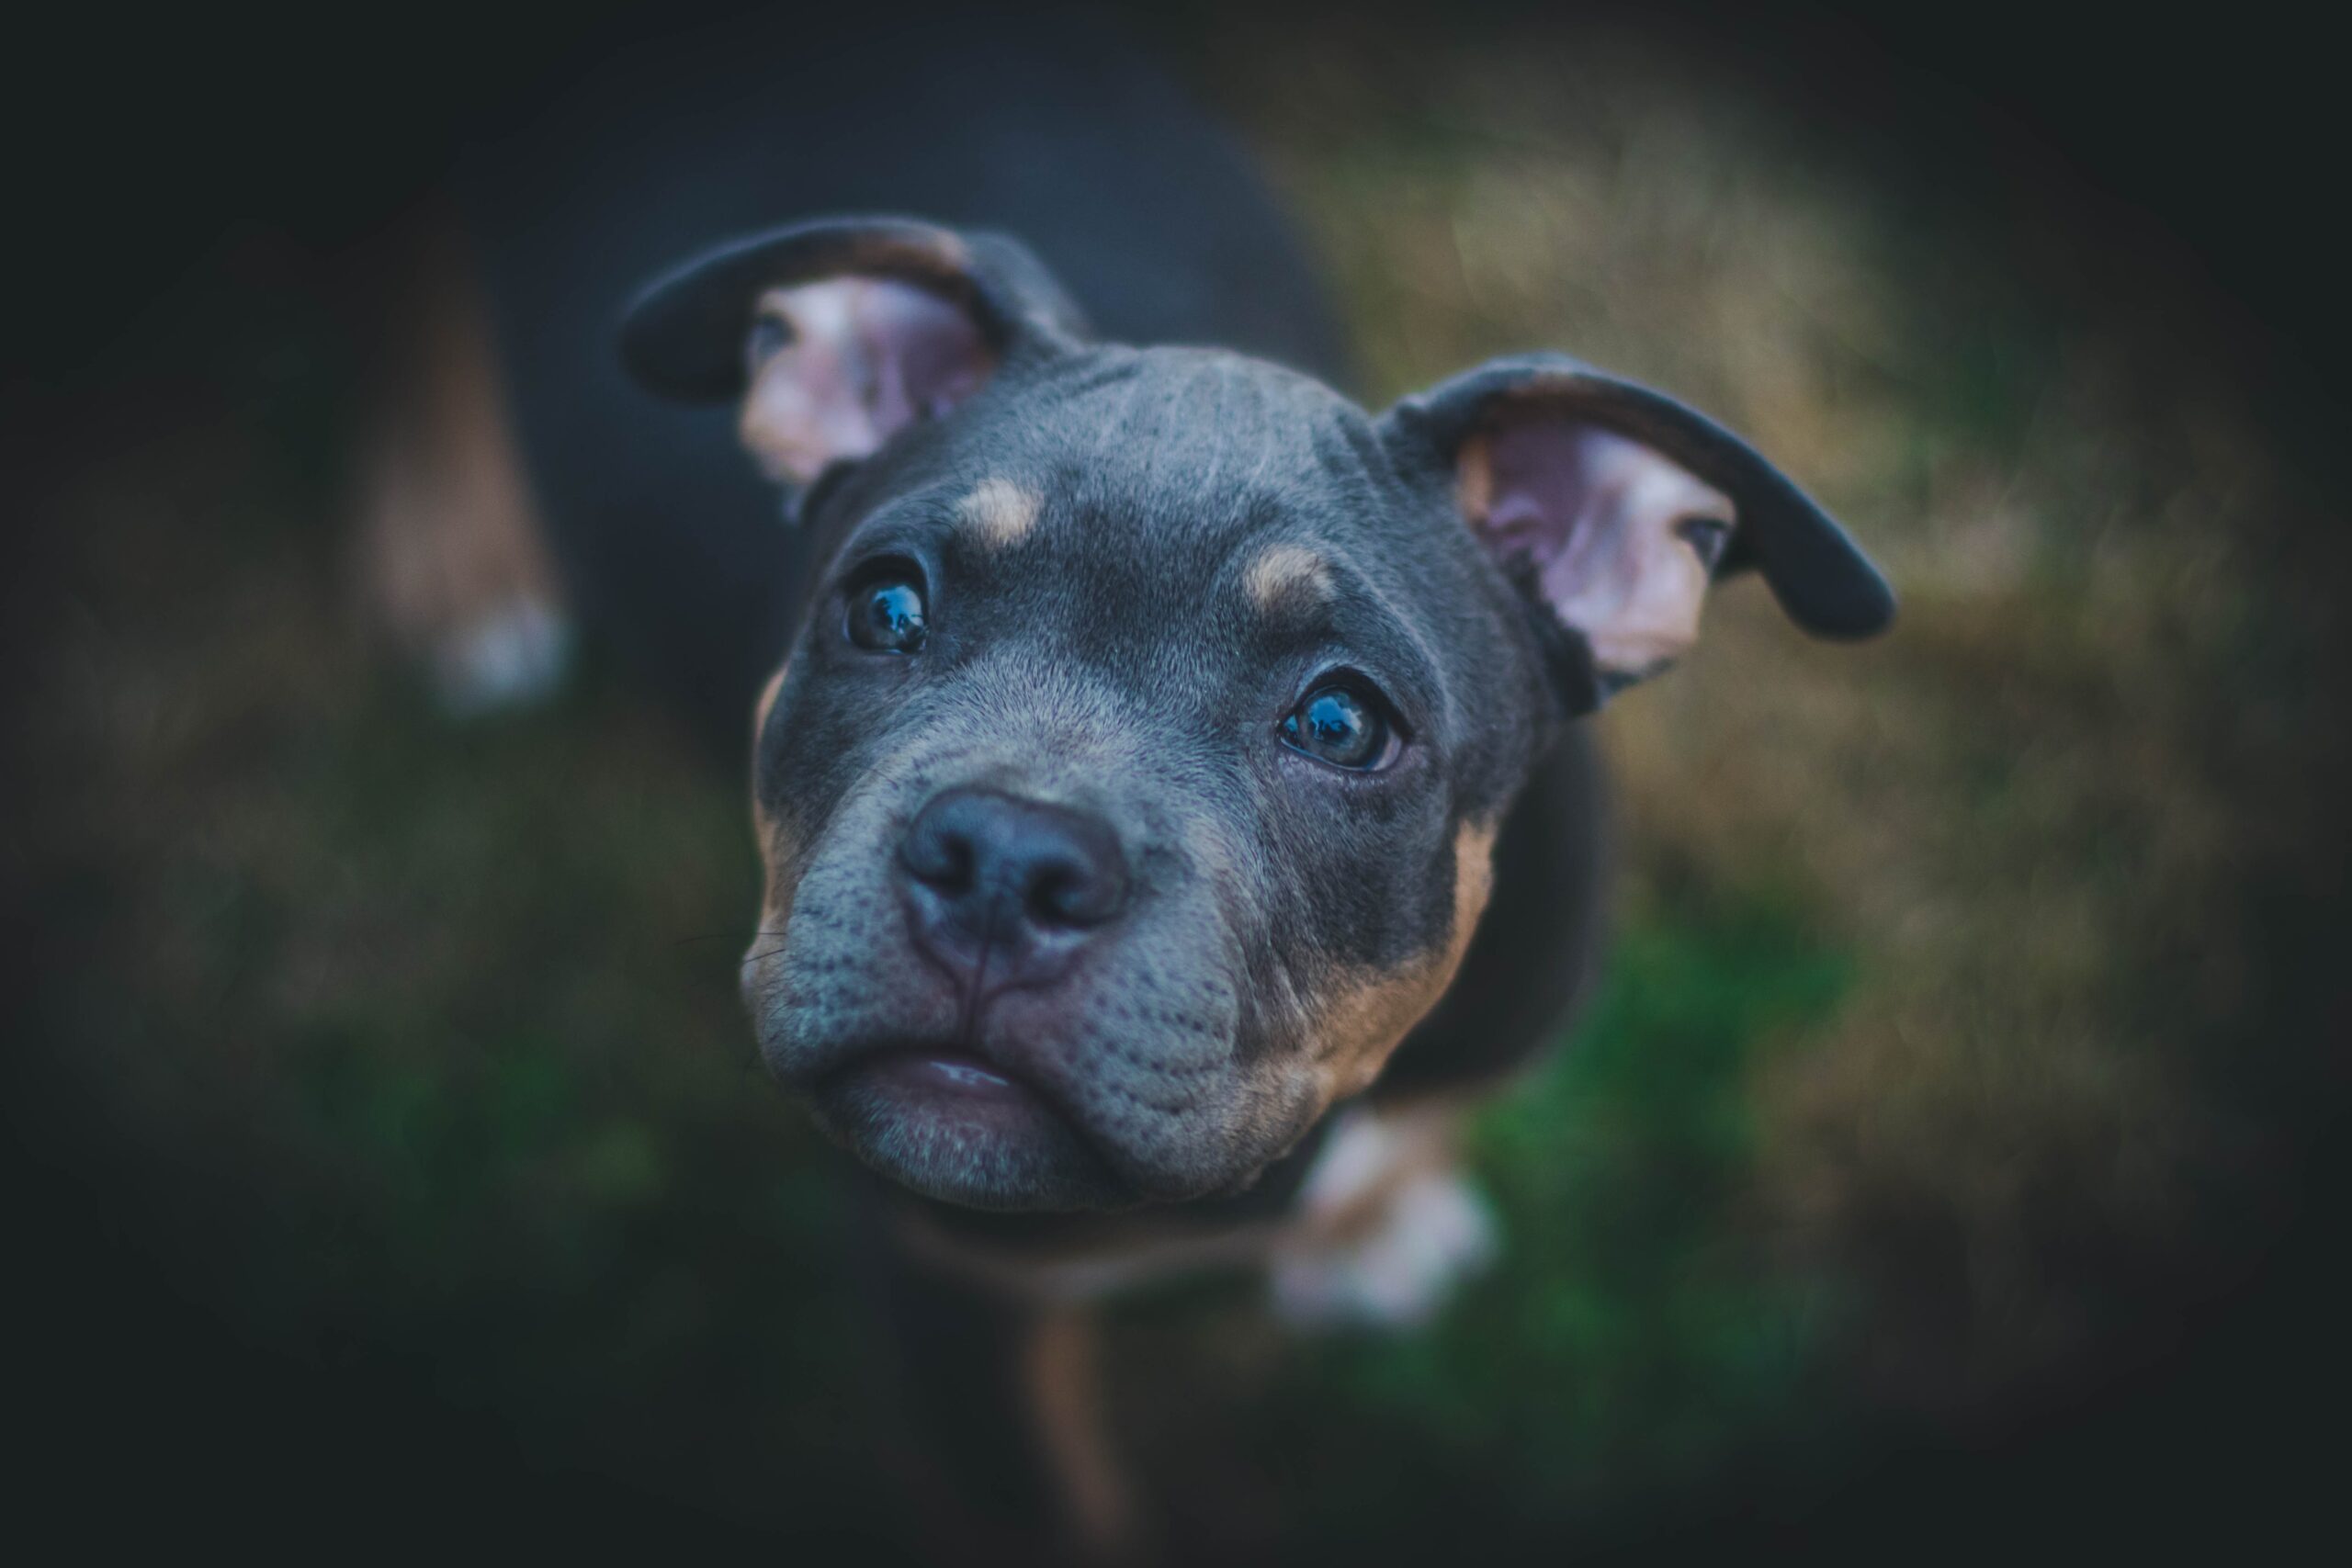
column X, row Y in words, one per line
column 865, row 359
column 1601, row 516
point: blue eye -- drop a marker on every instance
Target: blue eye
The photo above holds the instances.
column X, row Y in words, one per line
column 887, row 615
column 1337, row 725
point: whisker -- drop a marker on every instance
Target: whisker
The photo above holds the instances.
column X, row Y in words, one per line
column 721, row 936
column 718, row 936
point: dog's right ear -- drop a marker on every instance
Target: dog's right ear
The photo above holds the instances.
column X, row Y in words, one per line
column 837, row 334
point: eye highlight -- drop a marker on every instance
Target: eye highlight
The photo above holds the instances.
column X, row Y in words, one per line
column 1343, row 726
column 886, row 611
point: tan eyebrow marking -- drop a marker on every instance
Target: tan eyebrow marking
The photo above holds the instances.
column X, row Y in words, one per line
column 780, row 861
column 1280, row 570
column 1000, row 513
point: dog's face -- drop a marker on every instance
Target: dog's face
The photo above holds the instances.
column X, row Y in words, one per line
column 1131, row 787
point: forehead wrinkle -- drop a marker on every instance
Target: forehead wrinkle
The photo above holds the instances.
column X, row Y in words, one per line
column 1179, row 465
column 1131, row 389
column 1211, row 417
column 1249, row 427
column 1182, row 423
column 1270, row 455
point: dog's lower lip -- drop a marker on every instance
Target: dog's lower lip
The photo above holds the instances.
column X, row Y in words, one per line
column 969, row 1130
column 929, row 1079
column 945, row 1073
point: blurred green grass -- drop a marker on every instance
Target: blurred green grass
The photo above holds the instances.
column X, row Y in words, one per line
column 1634, row 1334
column 1914, row 1067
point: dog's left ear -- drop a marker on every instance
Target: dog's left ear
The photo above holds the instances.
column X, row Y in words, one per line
column 836, row 335
column 1617, row 506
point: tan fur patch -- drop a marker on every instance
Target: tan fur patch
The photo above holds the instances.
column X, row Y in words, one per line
column 1097, row 1261
column 780, row 860
column 1063, row 1369
column 768, row 699
column 1281, row 571
column 1000, row 513
column 937, row 255
column 1366, row 1023
column 779, row 856
column 760, row 711
column 1473, row 478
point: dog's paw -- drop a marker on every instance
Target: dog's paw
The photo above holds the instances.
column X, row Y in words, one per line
column 512, row 656
column 1396, row 1268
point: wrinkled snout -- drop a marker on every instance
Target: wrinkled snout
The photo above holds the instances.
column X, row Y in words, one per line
column 1023, row 996
column 1003, row 891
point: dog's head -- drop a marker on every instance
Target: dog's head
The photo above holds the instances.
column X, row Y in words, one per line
column 1131, row 787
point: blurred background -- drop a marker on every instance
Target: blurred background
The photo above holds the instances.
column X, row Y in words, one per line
column 1951, row 1152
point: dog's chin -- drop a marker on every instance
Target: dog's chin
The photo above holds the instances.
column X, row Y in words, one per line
column 954, row 1128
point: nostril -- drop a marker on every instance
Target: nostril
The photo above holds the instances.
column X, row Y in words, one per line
column 939, row 858
column 1075, row 892
column 1056, row 897
column 989, row 864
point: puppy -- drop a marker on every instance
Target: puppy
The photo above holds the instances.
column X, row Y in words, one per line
column 1159, row 734
column 1170, row 775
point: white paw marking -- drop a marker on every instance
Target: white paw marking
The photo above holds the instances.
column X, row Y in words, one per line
column 513, row 657
column 1432, row 1232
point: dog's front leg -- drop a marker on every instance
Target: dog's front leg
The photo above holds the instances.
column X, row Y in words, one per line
column 453, row 563
column 1001, row 1401
column 1389, row 1223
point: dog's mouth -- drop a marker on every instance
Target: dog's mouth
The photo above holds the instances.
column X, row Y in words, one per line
column 942, row 1083
column 961, row 1128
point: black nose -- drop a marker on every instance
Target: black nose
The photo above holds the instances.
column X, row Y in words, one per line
column 1017, row 885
